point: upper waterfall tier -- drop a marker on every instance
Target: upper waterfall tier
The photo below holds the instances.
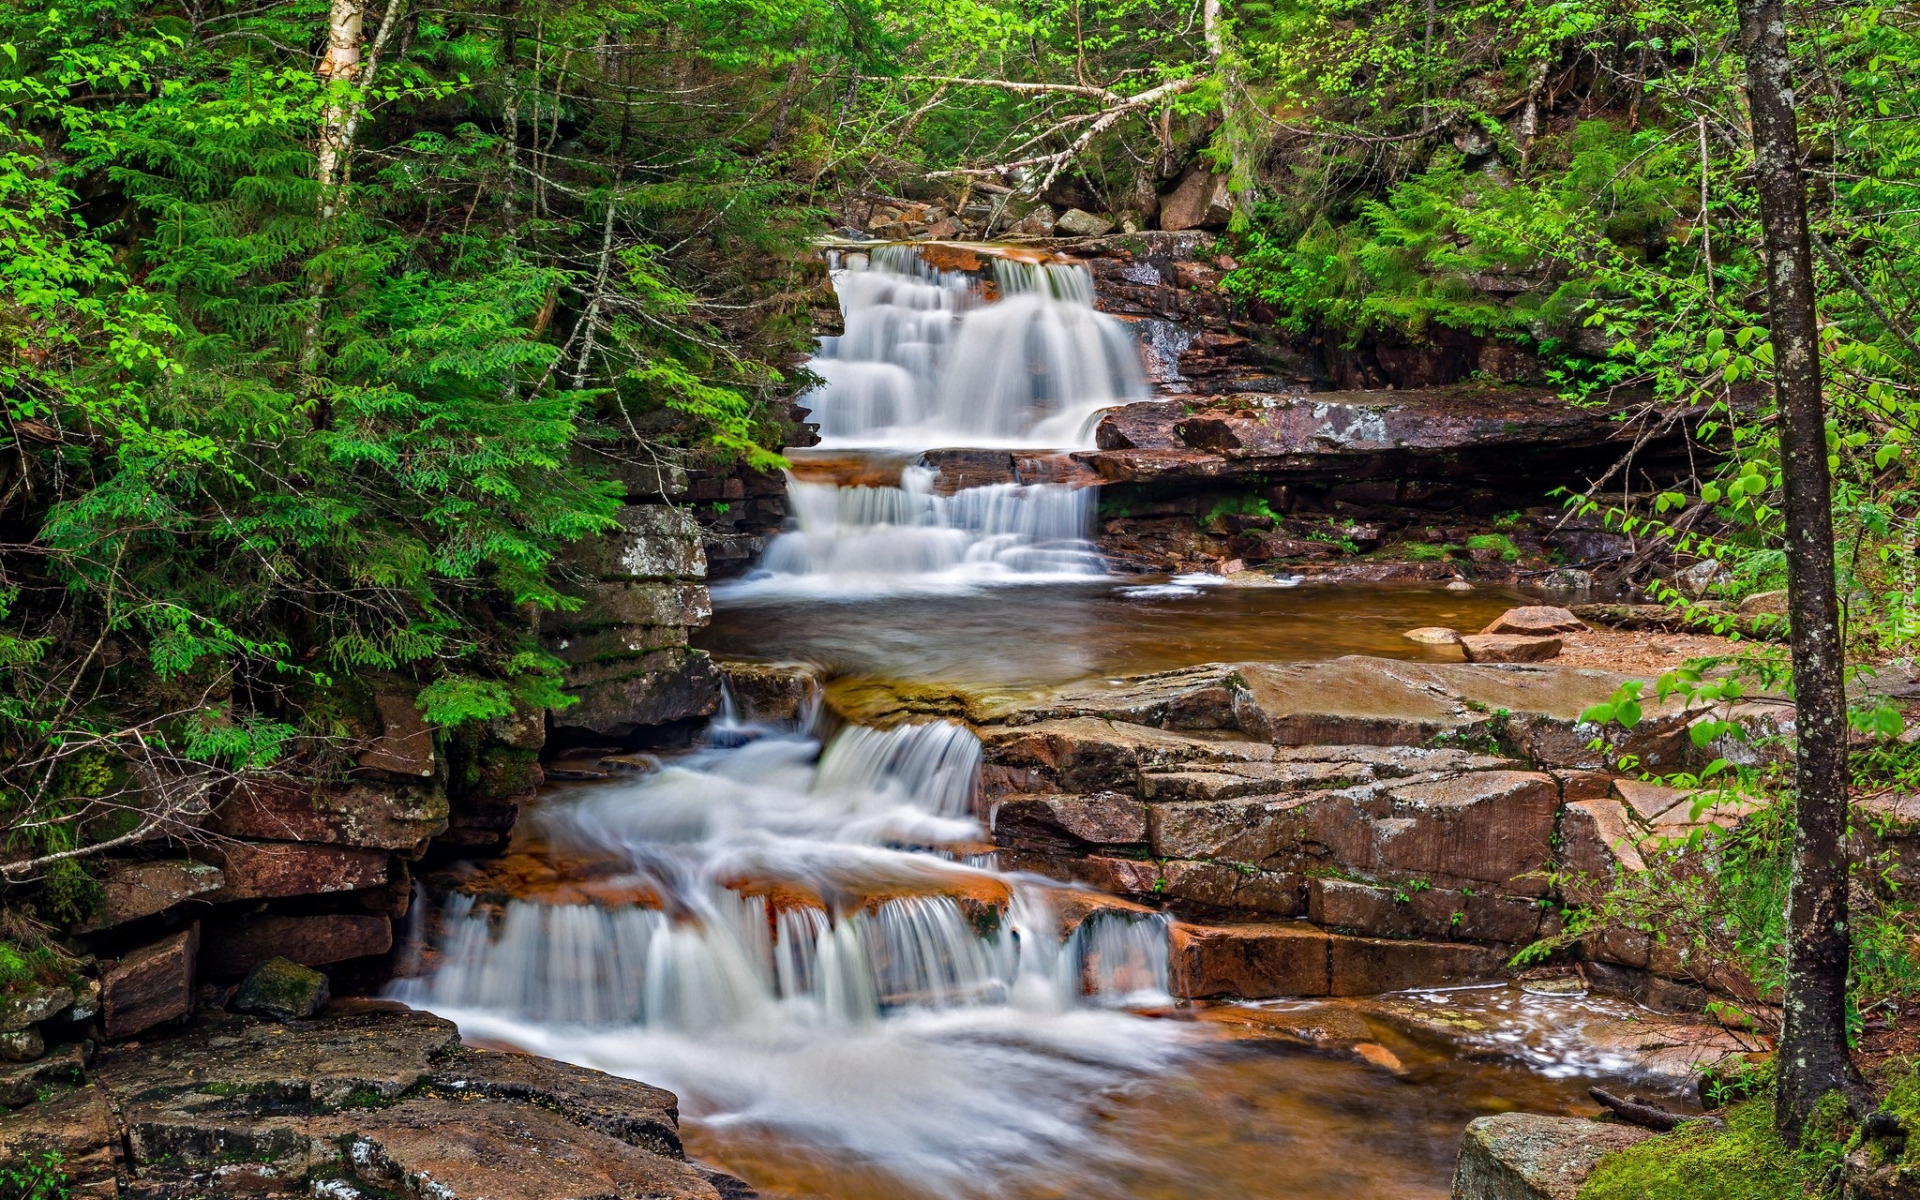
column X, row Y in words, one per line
column 926, row 360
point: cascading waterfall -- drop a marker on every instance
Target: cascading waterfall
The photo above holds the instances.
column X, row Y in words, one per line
column 924, row 362
column 887, row 538
column 823, row 965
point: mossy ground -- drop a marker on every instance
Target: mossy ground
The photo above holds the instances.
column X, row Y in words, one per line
column 1745, row 1161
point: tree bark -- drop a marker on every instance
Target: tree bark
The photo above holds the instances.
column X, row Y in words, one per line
column 1243, row 176
column 1813, row 1058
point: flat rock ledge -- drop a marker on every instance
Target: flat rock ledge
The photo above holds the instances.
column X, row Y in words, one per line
column 368, row 1102
column 1521, row 1156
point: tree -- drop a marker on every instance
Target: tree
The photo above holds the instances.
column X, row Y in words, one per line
column 1813, row 1058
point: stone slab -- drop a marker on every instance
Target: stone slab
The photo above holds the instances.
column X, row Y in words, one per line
column 135, row 890
column 1521, row 1156
column 149, row 986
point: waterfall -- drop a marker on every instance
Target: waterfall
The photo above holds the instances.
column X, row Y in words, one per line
column 911, row 537
column 924, row 361
column 823, row 964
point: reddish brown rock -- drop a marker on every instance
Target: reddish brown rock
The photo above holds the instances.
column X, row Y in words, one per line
column 1248, row 961
column 1369, row 966
column 135, row 890
column 1599, row 840
column 1105, row 818
column 405, row 745
column 1536, row 620
column 1508, row 648
column 233, row 949
column 263, row 870
column 79, row 1128
column 149, row 986
column 1648, row 801
column 1446, row 914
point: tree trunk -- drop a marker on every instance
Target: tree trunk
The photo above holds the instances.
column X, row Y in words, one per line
column 1243, row 176
column 1813, row 1058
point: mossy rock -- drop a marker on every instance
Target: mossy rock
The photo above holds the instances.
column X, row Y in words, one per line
column 284, row 990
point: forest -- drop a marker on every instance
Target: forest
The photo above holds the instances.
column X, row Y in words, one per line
column 337, row 333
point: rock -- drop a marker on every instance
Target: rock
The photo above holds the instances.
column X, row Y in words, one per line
column 1520, row 1156
column 684, row 685
column 1764, row 604
column 1536, row 620
column 1078, row 223
column 1249, row 962
column 21, row 1046
column 1198, row 201
column 233, row 949
column 77, row 1127
column 1570, row 580
column 1228, row 887
column 653, row 542
column 263, row 870
column 773, row 691
column 1599, row 841
column 1086, row 755
column 383, row 816
column 1648, row 801
column 151, row 985
column 1508, row 648
column 1369, row 966
column 22, row 1083
column 626, row 1109
column 1038, row 222
column 1433, row 635
column 661, row 611
column 1702, row 577
column 1459, row 585
column 31, row 1005
column 405, row 745
column 1446, row 914
column 134, row 890
column 1105, row 818
column 283, row 990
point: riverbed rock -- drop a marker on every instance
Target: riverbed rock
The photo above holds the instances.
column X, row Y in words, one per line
column 1521, row 1156
column 772, row 691
column 149, row 986
column 1536, row 620
column 1433, row 635
column 1078, row 223
column 1249, row 962
column 135, row 890
column 1509, row 648
column 1369, row 966
column 633, row 1112
column 283, row 990
column 1448, row 914
column 31, row 1004
column 1103, row 818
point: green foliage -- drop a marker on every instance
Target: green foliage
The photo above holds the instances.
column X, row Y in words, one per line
column 36, row 1176
column 1495, row 541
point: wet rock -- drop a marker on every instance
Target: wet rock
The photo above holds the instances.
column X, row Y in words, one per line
column 1249, row 962
column 22, row 1083
column 1225, row 887
column 76, row 1126
column 1087, row 754
column 404, row 748
column 149, row 986
column 1228, row 781
column 1520, row 1156
column 1369, row 966
column 1432, row 635
column 633, row 1112
column 663, row 611
column 283, row 990
column 31, row 1005
column 1505, row 648
column 1104, row 818
column 1536, row 620
column 685, row 685
column 135, row 890
column 373, row 816
column 233, row 949
column 772, row 691
column 263, row 870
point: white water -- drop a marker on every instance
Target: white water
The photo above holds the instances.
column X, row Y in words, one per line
column 923, row 362
column 911, row 538
column 894, row 1023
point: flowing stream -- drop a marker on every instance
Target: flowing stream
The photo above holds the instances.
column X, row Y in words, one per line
column 807, row 936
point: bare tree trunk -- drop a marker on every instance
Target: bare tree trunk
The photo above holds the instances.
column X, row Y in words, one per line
column 339, row 64
column 1813, row 1040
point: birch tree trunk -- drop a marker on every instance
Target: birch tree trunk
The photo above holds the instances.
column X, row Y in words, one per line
column 1243, row 175
column 1813, row 1058
column 340, row 64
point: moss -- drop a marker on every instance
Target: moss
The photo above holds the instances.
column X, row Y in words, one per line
column 1744, row 1161
column 1495, row 541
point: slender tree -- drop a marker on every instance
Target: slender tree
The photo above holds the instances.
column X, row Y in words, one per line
column 1813, row 1057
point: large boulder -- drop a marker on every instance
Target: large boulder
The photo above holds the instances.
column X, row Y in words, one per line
column 283, row 990
column 266, row 870
column 1520, row 1156
column 149, row 986
column 1199, row 201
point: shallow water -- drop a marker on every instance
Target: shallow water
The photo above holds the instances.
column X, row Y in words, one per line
column 1077, row 630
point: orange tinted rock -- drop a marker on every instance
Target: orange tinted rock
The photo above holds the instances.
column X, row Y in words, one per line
column 1248, row 961
column 1509, row 648
column 1369, row 966
column 1536, row 620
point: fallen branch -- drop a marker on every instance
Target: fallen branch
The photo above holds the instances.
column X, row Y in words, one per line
column 1637, row 1111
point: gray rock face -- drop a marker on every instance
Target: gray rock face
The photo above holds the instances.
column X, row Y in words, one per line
column 1519, row 1156
column 1078, row 223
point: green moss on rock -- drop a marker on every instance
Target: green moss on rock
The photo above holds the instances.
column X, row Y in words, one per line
column 283, row 989
column 1699, row 1161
